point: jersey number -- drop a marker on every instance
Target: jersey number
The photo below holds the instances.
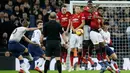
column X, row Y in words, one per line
column 14, row 31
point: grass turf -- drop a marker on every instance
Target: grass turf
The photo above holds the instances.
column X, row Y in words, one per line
column 86, row 71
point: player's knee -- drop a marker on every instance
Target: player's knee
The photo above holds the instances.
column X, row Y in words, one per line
column 26, row 50
column 114, row 56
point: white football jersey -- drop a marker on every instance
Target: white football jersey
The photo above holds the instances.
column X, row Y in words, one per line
column 106, row 36
column 17, row 34
column 36, row 36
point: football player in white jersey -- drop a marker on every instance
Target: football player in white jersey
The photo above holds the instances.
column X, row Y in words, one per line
column 110, row 50
column 36, row 51
column 17, row 48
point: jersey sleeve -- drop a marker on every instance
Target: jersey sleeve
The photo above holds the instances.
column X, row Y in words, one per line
column 108, row 38
column 69, row 15
column 58, row 16
column 82, row 16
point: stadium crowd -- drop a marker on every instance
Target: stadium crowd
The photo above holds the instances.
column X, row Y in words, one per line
column 17, row 13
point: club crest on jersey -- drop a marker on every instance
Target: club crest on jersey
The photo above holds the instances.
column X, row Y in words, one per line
column 78, row 16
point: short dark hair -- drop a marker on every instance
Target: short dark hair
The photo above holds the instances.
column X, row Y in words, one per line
column 100, row 8
column 106, row 23
column 63, row 6
column 90, row 1
column 39, row 21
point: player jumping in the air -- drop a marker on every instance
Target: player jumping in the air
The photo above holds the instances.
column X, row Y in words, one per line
column 18, row 49
column 97, row 40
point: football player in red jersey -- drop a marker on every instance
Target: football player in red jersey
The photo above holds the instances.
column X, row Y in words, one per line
column 87, row 43
column 63, row 18
column 97, row 39
column 77, row 22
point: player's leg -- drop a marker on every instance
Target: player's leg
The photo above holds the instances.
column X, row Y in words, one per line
column 57, row 51
column 17, row 50
column 95, row 40
column 79, row 46
column 38, row 52
column 90, row 49
column 113, row 56
column 73, row 47
column 48, row 54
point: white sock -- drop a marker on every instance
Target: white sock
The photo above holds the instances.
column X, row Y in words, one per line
column 41, row 61
column 24, row 67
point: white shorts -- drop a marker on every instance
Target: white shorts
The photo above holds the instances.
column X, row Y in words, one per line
column 76, row 41
column 96, row 37
column 86, row 32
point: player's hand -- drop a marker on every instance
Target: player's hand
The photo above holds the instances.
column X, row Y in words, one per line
column 66, row 46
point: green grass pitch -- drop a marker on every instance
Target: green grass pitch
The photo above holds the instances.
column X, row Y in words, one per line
column 85, row 71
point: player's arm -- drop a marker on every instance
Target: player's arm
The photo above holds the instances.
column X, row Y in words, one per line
column 57, row 18
column 31, row 29
column 68, row 26
column 108, row 39
column 29, row 41
column 62, row 33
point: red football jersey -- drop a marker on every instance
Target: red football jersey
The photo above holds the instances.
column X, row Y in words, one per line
column 95, row 22
column 87, row 14
column 76, row 19
column 64, row 18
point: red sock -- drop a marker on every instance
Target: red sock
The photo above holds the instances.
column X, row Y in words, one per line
column 71, row 59
column 116, row 66
column 84, row 60
column 79, row 59
column 65, row 56
column 104, row 55
column 99, row 56
column 90, row 60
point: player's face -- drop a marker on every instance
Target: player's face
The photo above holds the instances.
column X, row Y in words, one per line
column 106, row 27
column 64, row 10
column 90, row 5
column 100, row 11
column 40, row 25
column 77, row 9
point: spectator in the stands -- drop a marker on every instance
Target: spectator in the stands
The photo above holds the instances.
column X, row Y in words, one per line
column 7, row 9
column 1, row 17
column 45, row 16
column 10, row 3
column 26, row 7
column 40, row 17
column 17, row 12
column 7, row 54
column 25, row 19
column 18, row 3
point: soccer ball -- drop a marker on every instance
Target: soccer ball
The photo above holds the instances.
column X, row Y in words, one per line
column 79, row 32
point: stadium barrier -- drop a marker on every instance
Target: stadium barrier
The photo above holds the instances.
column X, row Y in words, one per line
column 126, row 64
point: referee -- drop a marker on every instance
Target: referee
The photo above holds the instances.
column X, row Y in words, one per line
column 52, row 31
